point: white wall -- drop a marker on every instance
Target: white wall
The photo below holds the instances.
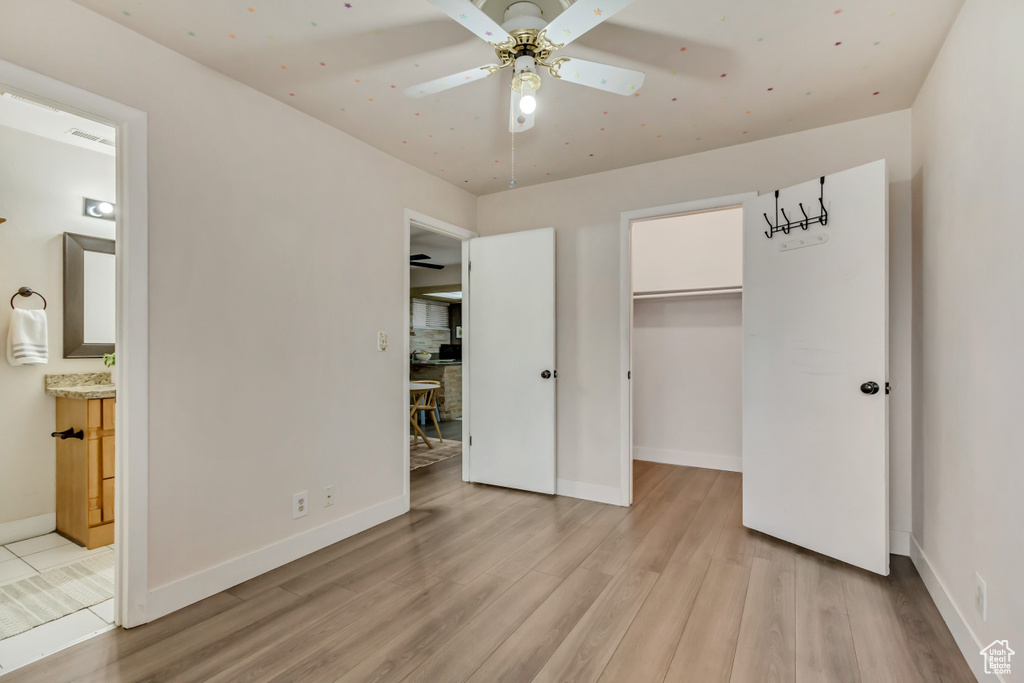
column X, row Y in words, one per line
column 687, row 381
column 42, row 183
column 694, row 251
column 262, row 349
column 586, row 214
column 968, row 165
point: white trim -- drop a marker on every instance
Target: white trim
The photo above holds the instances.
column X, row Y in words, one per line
column 131, row 375
column 966, row 639
column 595, row 492
column 173, row 596
column 626, row 320
column 467, row 335
column 22, row 529
column 708, row 461
column 899, row 542
column 422, row 220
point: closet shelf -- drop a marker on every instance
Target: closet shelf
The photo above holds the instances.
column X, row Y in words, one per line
column 689, row 293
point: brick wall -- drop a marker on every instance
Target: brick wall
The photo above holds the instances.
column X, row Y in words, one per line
column 428, row 340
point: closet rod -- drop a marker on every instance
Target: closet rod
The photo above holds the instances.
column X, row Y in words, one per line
column 689, row 293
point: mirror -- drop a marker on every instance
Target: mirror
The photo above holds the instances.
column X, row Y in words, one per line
column 89, row 308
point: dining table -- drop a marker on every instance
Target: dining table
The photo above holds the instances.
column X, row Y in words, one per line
column 418, row 392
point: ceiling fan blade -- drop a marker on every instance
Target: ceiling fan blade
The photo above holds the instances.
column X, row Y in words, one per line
column 426, row 265
column 514, row 125
column 473, row 18
column 441, row 84
column 612, row 79
column 419, row 257
column 581, row 16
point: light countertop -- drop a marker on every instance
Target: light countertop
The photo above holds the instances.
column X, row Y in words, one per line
column 84, row 391
column 83, row 385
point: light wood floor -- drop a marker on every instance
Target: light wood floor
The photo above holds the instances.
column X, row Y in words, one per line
column 483, row 584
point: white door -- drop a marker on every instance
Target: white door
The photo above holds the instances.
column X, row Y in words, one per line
column 815, row 312
column 511, row 345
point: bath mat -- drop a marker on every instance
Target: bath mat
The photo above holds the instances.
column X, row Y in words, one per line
column 90, row 581
column 421, row 456
column 55, row 593
column 30, row 602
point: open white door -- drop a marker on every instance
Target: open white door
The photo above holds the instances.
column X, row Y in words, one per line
column 815, row 314
column 511, row 342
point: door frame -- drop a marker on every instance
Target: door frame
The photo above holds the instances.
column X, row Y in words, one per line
column 131, row 374
column 422, row 220
column 626, row 220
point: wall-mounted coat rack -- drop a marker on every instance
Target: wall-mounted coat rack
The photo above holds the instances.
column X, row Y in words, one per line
column 27, row 292
column 804, row 223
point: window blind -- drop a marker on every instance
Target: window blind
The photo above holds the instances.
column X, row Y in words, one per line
column 431, row 315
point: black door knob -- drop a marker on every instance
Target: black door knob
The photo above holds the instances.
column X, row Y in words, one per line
column 869, row 388
column 68, row 433
column 546, row 374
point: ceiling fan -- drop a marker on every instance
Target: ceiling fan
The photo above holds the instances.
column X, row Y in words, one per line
column 524, row 42
column 415, row 259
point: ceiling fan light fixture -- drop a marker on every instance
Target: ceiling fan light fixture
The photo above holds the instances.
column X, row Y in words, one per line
column 528, row 103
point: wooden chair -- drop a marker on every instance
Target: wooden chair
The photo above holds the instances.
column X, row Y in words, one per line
column 417, row 398
column 429, row 406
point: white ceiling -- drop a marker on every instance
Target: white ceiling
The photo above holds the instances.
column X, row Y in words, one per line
column 719, row 73
column 442, row 250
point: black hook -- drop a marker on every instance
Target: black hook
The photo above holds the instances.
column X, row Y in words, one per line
column 786, row 229
column 771, row 228
column 807, row 221
column 821, row 200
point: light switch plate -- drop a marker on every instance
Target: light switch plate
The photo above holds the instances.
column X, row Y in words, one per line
column 382, row 341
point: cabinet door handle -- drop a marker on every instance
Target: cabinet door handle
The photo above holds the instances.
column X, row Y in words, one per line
column 69, row 433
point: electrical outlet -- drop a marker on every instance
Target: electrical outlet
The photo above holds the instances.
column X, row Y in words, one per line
column 328, row 496
column 300, row 504
column 382, row 341
column 981, row 596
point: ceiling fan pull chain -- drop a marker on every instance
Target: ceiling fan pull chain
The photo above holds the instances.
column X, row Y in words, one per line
column 512, row 183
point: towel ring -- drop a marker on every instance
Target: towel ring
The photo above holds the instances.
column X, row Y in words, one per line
column 26, row 292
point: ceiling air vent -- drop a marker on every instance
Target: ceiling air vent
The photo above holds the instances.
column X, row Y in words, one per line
column 32, row 102
column 86, row 135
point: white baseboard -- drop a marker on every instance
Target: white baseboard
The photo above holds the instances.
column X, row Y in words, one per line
column 962, row 632
column 21, row 529
column 709, row 461
column 899, row 542
column 595, row 492
column 173, row 596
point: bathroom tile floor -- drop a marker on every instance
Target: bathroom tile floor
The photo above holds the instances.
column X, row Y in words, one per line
column 26, row 558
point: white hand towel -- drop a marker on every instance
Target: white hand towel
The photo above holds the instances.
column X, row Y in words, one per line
column 26, row 340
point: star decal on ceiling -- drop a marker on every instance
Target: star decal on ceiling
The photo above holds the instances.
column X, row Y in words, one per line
column 566, row 31
column 598, row 13
column 604, row 81
column 632, row 87
column 464, row 16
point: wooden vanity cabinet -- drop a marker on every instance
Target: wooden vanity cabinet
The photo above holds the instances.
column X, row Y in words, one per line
column 85, row 471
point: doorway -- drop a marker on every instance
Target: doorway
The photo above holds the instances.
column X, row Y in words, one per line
column 436, row 341
column 681, row 269
column 100, row 122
